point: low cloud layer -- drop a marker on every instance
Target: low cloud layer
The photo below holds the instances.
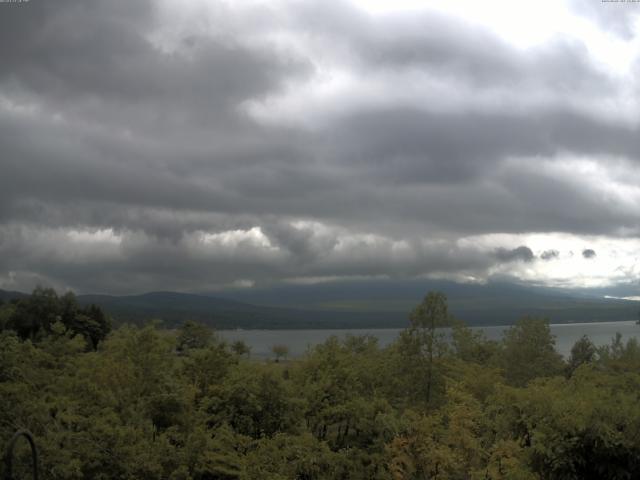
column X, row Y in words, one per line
column 198, row 145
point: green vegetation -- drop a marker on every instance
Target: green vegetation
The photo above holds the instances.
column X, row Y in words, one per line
column 44, row 313
column 280, row 351
column 143, row 403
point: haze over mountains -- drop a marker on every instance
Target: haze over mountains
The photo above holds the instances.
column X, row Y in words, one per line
column 365, row 304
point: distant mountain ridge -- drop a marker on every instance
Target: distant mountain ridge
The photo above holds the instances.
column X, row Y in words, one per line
column 6, row 295
column 173, row 308
column 493, row 303
column 379, row 304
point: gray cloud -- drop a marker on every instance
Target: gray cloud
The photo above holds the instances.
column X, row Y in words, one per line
column 452, row 48
column 105, row 129
column 549, row 254
column 588, row 253
column 521, row 253
column 139, row 262
column 101, row 51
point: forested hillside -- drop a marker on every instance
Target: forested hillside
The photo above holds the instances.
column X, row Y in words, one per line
column 149, row 404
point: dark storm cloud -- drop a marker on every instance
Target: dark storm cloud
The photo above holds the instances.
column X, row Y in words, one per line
column 108, row 132
column 588, row 253
column 70, row 51
column 411, row 145
column 549, row 254
column 44, row 45
column 521, row 253
column 302, row 243
column 275, row 170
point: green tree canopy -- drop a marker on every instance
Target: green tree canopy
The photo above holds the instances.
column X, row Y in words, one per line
column 529, row 352
column 193, row 335
column 423, row 343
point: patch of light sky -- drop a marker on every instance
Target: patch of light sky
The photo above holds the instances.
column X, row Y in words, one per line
column 616, row 260
column 232, row 238
column 106, row 235
column 526, row 24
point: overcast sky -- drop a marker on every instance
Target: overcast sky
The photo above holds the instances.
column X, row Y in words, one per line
column 194, row 145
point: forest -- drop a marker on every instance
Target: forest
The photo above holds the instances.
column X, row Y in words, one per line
column 442, row 402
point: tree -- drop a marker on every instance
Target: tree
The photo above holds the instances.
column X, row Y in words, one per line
column 34, row 316
column 7, row 310
column 193, row 335
column 239, row 347
column 90, row 322
column 280, row 351
column 581, row 428
column 529, row 352
column 69, row 308
column 342, row 384
column 205, row 368
column 253, row 399
column 583, row 351
column 472, row 346
column 619, row 356
column 287, row 456
column 422, row 340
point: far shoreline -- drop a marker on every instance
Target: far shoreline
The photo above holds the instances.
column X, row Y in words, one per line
column 496, row 325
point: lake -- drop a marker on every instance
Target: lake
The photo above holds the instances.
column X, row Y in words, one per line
column 299, row 341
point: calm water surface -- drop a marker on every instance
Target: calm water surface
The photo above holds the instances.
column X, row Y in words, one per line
column 299, row 341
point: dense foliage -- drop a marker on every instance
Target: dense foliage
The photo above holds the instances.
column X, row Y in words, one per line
column 150, row 404
column 45, row 313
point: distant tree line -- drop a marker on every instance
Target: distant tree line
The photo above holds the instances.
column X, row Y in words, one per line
column 145, row 403
column 44, row 313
